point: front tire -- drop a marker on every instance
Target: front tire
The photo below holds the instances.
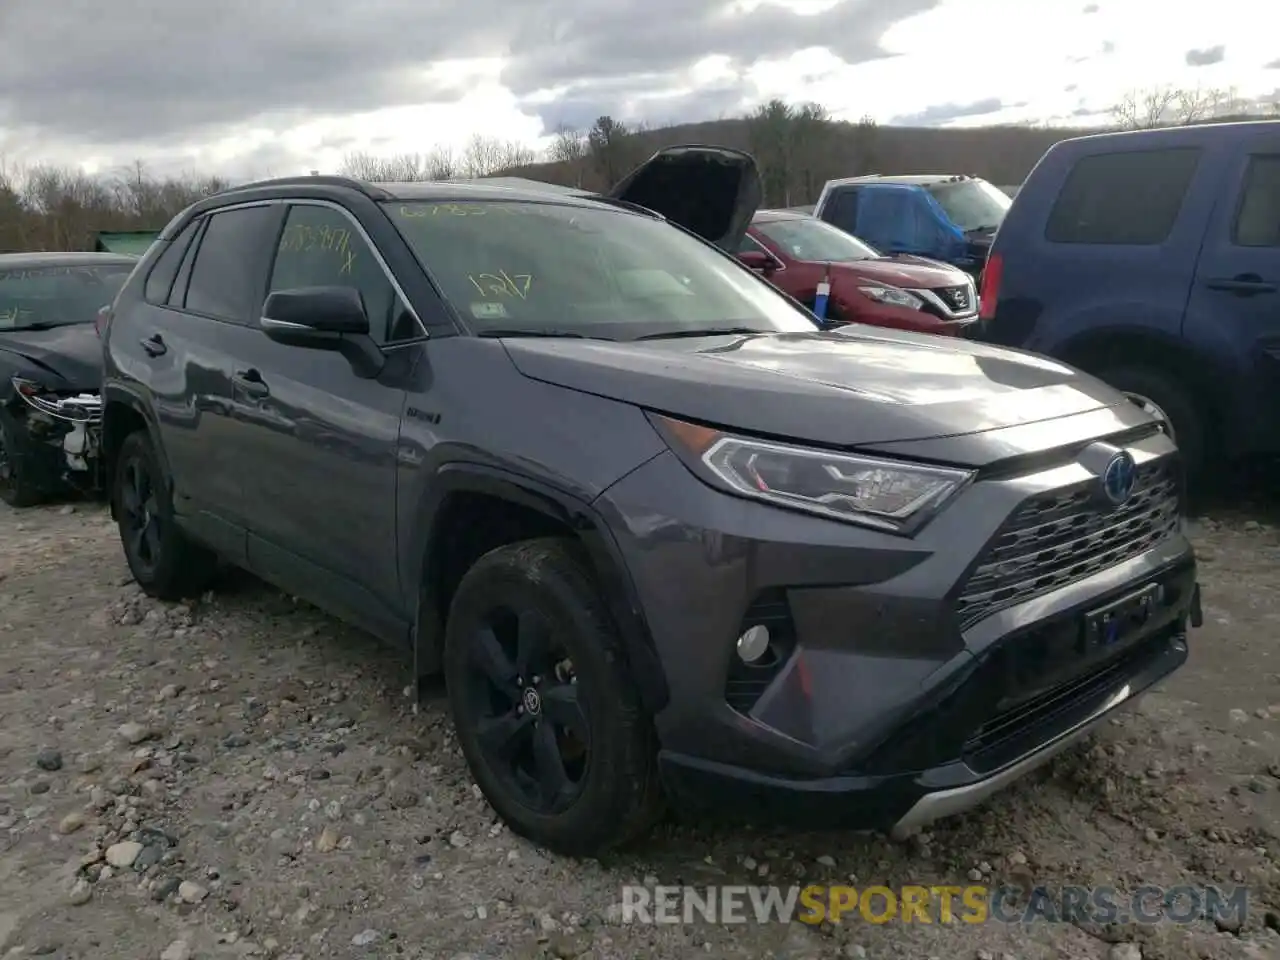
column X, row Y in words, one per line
column 164, row 562
column 16, row 488
column 547, row 714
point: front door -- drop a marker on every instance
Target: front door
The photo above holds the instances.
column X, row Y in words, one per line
column 1234, row 310
column 319, row 444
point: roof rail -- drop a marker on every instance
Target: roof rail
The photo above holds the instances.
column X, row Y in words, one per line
column 350, row 183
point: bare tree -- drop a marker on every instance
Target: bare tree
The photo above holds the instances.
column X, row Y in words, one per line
column 441, row 164
column 486, row 156
column 1166, row 106
column 569, row 147
column 400, row 168
column 46, row 207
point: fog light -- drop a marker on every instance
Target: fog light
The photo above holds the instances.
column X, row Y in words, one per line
column 753, row 643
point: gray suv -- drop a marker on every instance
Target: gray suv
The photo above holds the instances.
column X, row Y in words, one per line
column 665, row 538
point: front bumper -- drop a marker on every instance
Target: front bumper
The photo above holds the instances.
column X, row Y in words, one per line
column 60, row 440
column 902, row 803
column 900, row 694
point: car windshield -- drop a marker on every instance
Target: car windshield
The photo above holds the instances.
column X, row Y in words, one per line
column 972, row 204
column 549, row 269
column 33, row 298
column 811, row 239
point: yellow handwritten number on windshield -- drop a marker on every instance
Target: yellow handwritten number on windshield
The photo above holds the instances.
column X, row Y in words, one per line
column 502, row 284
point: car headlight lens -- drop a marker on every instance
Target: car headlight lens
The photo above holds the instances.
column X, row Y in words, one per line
column 893, row 297
column 886, row 494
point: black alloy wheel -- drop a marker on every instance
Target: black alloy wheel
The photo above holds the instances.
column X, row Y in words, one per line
column 164, row 562
column 521, row 694
column 547, row 712
column 139, row 518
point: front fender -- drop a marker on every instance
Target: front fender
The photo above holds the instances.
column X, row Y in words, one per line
column 116, row 394
column 588, row 525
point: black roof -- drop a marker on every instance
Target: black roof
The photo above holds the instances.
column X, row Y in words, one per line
column 496, row 188
column 12, row 261
column 488, row 188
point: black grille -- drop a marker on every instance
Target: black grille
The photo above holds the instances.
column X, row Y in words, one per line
column 959, row 299
column 1059, row 538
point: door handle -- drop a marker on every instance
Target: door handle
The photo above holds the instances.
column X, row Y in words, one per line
column 154, row 345
column 250, row 383
column 1244, row 284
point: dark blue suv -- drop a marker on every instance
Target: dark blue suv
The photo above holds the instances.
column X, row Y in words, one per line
column 1152, row 260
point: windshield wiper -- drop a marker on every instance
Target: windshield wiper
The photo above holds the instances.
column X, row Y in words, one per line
column 703, row 332
column 517, row 332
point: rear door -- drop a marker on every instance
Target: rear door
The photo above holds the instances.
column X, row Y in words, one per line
column 1234, row 309
column 182, row 345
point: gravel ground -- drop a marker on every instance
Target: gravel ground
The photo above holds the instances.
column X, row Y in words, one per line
column 244, row 776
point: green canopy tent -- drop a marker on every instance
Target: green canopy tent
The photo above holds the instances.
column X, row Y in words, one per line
column 133, row 243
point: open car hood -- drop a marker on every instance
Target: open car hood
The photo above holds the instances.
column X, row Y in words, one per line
column 711, row 191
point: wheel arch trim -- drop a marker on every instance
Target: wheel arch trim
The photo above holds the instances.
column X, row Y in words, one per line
column 588, row 526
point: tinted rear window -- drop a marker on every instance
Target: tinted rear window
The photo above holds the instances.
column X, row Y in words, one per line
column 57, row 295
column 1258, row 222
column 1123, row 198
column 226, row 281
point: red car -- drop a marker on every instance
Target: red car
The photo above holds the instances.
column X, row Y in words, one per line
column 793, row 251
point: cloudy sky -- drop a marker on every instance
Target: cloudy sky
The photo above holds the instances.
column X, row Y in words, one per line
column 271, row 87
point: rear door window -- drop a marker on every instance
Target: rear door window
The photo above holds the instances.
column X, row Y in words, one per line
column 1258, row 220
column 160, row 279
column 843, row 209
column 1128, row 198
column 228, row 277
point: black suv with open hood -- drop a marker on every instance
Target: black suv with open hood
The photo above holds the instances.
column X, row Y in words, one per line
column 663, row 536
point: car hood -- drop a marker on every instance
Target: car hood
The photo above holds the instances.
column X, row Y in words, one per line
column 73, row 352
column 711, row 191
column 856, row 386
column 916, row 273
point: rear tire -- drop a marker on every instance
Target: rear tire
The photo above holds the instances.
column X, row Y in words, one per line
column 165, row 563
column 16, row 488
column 1186, row 418
column 567, row 758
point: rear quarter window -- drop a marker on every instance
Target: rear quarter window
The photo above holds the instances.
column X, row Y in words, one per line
column 1130, row 198
column 1258, row 219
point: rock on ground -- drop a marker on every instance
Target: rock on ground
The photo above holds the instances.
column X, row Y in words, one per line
column 250, row 776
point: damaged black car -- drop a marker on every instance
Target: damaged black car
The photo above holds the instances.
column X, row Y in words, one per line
column 51, row 371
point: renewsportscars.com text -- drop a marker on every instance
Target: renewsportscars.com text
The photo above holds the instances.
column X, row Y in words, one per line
column 972, row 904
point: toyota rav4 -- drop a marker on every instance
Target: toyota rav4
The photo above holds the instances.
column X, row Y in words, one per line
column 664, row 538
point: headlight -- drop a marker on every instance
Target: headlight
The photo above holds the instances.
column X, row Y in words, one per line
column 893, row 297
column 886, row 494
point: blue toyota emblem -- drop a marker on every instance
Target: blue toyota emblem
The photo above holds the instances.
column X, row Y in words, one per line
column 1119, row 478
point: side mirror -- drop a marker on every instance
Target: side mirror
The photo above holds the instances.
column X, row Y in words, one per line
column 331, row 310
column 324, row 318
column 758, row 261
